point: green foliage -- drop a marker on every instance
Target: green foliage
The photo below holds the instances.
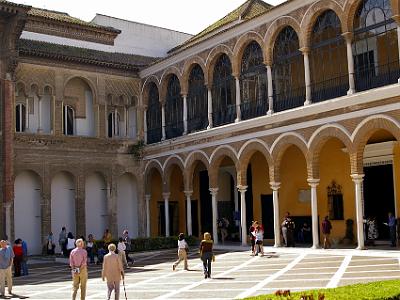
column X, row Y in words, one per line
column 137, row 150
column 156, row 243
column 379, row 290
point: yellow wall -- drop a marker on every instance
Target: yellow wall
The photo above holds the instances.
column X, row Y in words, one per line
column 396, row 174
column 156, row 196
column 177, row 195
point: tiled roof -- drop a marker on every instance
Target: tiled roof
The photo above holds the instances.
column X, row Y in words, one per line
column 65, row 18
column 83, row 55
column 247, row 11
column 14, row 4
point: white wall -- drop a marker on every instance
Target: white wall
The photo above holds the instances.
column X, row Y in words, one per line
column 46, row 114
column 127, row 205
column 62, row 205
column 95, row 205
column 33, row 118
column 85, row 126
column 27, row 215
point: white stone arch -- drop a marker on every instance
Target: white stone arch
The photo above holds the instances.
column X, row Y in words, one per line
column 366, row 120
column 63, row 203
column 257, row 141
column 128, row 204
column 153, row 161
column 200, row 152
column 171, row 157
column 229, row 147
column 27, row 212
column 336, row 126
column 96, row 204
column 287, row 134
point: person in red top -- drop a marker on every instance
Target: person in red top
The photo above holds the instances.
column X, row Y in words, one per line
column 18, row 252
column 252, row 230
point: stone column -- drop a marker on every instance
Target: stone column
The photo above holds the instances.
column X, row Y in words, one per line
column 398, row 41
column 307, row 74
column 185, row 115
column 188, row 195
column 277, row 224
column 80, row 206
column 40, row 104
column 238, row 111
column 243, row 221
column 209, row 108
column 163, row 122
column 358, row 180
column 214, row 193
column 166, row 211
column 112, row 207
column 148, row 231
column 8, row 212
column 45, row 211
column 145, row 125
column 348, row 36
column 270, row 91
column 27, row 115
column 314, row 211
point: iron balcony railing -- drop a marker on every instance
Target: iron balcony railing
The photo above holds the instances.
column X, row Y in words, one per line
column 154, row 135
column 197, row 123
column 173, row 130
column 330, row 88
column 376, row 76
column 290, row 99
column 224, row 116
column 253, row 109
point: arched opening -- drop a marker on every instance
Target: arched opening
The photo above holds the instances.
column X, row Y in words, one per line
column 223, row 92
column 20, row 118
column 197, row 101
column 288, row 71
column 114, row 126
column 375, row 48
column 27, row 212
column 153, row 115
column 68, row 120
column 201, row 201
column 127, row 204
column 253, row 83
column 328, row 63
column 176, row 203
column 173, row 109
column 96, row 205
column 63, row 204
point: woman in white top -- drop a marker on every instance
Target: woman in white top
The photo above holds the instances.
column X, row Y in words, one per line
column 183, row 250
column 70, row 243
column 121, row 252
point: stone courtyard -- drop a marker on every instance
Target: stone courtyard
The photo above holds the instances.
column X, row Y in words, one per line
column 235, row 274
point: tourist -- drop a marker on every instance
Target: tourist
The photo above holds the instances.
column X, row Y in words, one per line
column 107, row 237
column 112, row 271
column 121, row 252
column 253, row 236
column 50, row 245
column 5, row 266
column 18, row 253
column 288, row 227
column 128, row 244
column 62, row 241
column 326, row 232
column 78, row 264
column 259, row 235
column 372, row 230
column 24, row 261
column 90, row 248
column 392, row 229
column 223, row 225
column 304, row 233
column 10, row 257
column 206, row 254
column 70, row 244
column 183, row 249
column 101, row 252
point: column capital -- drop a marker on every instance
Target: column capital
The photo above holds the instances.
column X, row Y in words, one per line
column 348, row 36
column 242, row 188
column 275, row 185
column 184, row 95
column 305, row 50
column 188, row 193
column 357, row 178
column 166, row 196
column 147, row 197
column 313, row 182
column 214, row 191
column 397, row 19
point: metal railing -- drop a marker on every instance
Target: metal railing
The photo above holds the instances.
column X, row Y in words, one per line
column 290, row 99
column 224, row 116
column 253, row 109
column 154, row 135
column 173, row 130
column 198, row 123
column 330, row 88
column 376, row 76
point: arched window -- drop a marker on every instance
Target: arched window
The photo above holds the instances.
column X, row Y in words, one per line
column 20, row 118
column 288, row 71
column 173, row 109
column 197, row 101
column 328, row 58
column 375, row 46
column 69, row 120
column 223, row 92
column 114, row 124
column 153, row 116
column 253, row 83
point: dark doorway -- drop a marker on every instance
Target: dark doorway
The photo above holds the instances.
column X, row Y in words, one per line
column 205, row 203
column 267, row 216
column 249, row 197
column 173, row 218
column 379, row 196
column 195, row 218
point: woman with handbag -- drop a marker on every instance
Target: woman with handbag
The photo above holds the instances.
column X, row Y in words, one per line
column 183, row 250
column 206, row 254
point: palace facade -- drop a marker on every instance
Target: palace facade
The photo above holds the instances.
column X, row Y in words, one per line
column 272, row 109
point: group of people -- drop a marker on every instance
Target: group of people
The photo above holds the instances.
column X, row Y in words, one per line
column 257, row 238
column 113, row 262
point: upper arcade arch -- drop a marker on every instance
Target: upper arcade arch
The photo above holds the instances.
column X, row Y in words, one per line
column 146, row 88
column 76, row 80
column 169, row 165
column 216, row 158
column 241, row 45
column 187, row 69
column 190, row 164
column 167, row 74
column 212, row 59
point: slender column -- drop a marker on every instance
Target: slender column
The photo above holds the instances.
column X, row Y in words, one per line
column 214, row 193
column 163, row 122
column 210, row 109
column 398, row 41
column 148, row 232
column 314, row 211
column 26, row 115
column 166, row 210
column 270, row 91
column 243, row 221
column 45, row 211
column 358, row 179
column 350, row 62
column 307, row 74
column 145, row 125
column 238, row 111
column 40, row 103
column 126, row 121
column 185, row 114
column 112, row 207
column 188, row 195
column 275, row 199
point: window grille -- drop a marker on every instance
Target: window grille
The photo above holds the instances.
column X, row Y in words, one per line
column 197, row 102
column 153, row 116
column 335, row 201
column 173, row 109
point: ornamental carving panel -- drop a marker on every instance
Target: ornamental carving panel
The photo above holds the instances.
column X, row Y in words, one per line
column 29, row 74
column 127, row 88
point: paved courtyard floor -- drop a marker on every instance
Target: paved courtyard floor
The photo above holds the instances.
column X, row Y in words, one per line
column 235, row 274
